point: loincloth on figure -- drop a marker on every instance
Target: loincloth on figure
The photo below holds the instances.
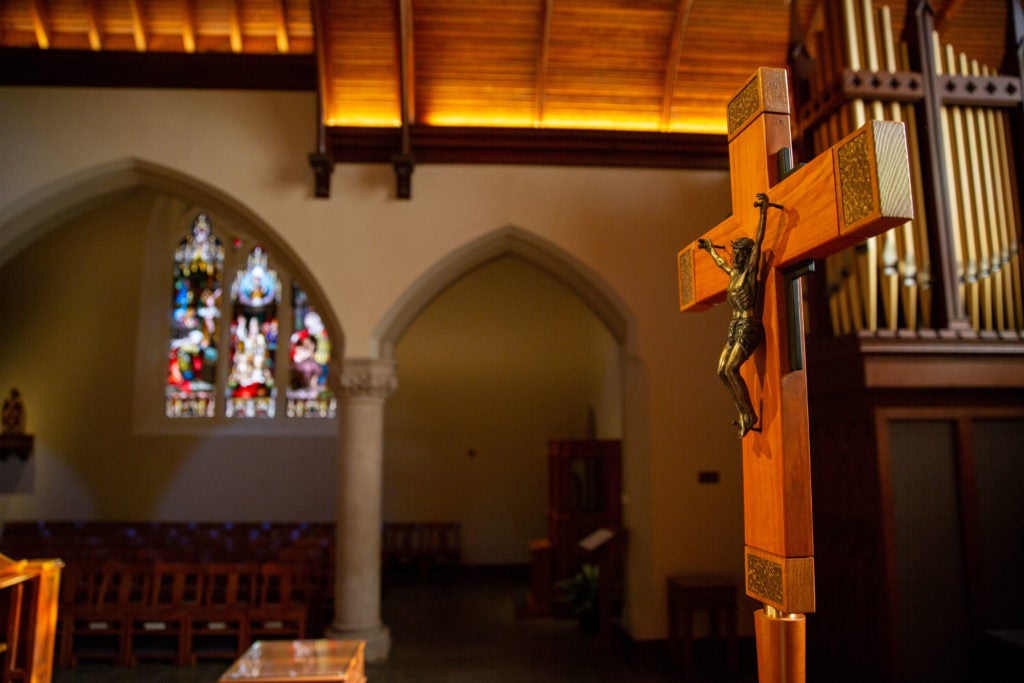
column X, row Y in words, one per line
column 745, row 333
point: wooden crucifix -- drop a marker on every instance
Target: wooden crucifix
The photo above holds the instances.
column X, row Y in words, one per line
column 858, row 188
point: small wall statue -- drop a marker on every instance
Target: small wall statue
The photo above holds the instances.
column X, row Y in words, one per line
column 14, row 414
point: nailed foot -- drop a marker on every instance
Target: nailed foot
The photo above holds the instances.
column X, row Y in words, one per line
column 746, row 423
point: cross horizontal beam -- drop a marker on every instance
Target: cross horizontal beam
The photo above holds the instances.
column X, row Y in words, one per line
column 852, row 201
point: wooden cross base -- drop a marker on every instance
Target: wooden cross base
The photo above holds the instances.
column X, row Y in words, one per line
column 781, row 643
column 857, row 189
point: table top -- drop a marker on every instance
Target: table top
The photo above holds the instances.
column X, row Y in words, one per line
column 277, row 661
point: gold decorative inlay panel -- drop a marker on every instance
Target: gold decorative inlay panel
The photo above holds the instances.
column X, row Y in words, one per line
column 767, row 91
column 745, row 104
column 764, row 578
column 855, row 179
column 686, row 283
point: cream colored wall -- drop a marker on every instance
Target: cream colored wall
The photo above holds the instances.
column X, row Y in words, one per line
column 366, row 250
column 69, row 344
column 503, row 360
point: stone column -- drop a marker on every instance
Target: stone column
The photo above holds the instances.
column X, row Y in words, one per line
column 366, row 384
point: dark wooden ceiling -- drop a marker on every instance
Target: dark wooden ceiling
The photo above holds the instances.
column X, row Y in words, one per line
column 646, row 66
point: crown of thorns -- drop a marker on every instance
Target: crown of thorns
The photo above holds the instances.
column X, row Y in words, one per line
column 742, row 244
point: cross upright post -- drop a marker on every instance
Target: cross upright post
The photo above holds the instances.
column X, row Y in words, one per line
column 858, row 188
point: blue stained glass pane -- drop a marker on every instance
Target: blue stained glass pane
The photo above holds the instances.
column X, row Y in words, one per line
column 255, row 293
column 309, row 353
column 192, row 353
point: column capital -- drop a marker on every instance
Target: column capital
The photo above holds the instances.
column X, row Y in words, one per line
column 372, row 378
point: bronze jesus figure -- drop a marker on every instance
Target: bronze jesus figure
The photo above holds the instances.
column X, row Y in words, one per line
column 745, row 327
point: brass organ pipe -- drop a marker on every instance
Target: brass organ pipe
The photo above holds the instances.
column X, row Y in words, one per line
column 999, row 215
column 951, row 180
column 907, row 265
column 1012, row 216
column 866, row 259
column 919, row 238
column 999, row 174
column 991, row 221
column 836, row 267
column 963, row 186
column 977, row 206
column 888, row 254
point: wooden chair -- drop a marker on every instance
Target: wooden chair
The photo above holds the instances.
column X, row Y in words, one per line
column 277, row 613
column 442, row 549
column 219, row 625
column 312, row 562
column 96, row 624
column 78, row 587
column 400, row 547
column 78, row 584
column 159, row 628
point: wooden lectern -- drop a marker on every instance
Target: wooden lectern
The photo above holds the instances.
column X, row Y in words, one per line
column 29, row 592
column 856, row 189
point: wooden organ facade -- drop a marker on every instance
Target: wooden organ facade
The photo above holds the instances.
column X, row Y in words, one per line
column 915, row 351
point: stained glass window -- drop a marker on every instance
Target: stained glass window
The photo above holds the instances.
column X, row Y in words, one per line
column 192, row 359
column 255, row 293
column 251, row 309
column 309, row 352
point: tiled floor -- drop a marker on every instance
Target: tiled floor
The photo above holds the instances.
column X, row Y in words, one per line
column 459, row 632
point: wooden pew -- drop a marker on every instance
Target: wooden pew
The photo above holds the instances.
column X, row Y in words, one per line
column 420, row 549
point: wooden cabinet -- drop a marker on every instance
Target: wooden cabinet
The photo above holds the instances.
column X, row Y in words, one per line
column 584, row 495
column 916, row 476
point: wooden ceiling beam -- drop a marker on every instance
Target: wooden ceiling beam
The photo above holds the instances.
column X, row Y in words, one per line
column 188, row 26
column 672, row 65
column 41, row 23
column 138, row 27
column 320, row 161
column 403, row 161
column 406, row 63
column 533, row 146
column 91, row 14
column 542, row 62
column 322, row 50
column 282, row 26
column 157, row 69
column 235, row 26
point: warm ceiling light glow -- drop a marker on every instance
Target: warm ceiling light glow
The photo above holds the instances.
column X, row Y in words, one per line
column 608, row 122
column 495, row 120
column 708, row 126
column 359, row 119
column 380, row 119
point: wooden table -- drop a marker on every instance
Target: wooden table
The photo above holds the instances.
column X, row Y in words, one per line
column 717, row 596
column 280, row 661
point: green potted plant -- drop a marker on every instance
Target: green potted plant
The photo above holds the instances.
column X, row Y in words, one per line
column 581, row 593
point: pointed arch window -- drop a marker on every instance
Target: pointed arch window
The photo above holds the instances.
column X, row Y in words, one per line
column 232, row 368
column 192, row 352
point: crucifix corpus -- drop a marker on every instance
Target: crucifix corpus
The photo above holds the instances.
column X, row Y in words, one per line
column 783, row 218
